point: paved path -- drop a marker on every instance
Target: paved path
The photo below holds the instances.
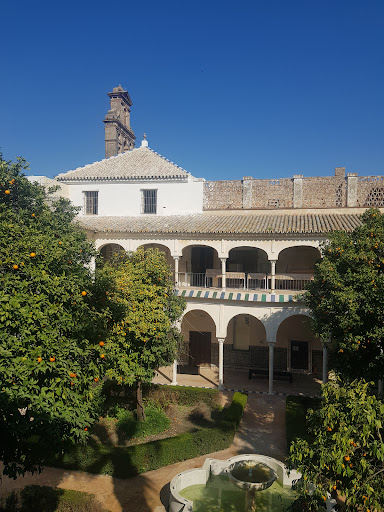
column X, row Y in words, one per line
column 262, row 431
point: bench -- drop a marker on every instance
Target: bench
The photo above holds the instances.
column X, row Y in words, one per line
column 277, row 374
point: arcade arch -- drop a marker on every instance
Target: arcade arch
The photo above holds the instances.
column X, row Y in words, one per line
column 297, row 345
column 297, row 259
column 199, row 333
column 109, row 250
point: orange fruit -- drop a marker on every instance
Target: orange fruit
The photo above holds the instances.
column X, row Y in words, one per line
column 39, row 359
column 102, row 356
column 334, row 487
column 101, row 343
column 32, row 255
column 86, row 428
column 72, row 375
column 96, row 379
column 7, row 192
column 33, row 215
column 15, row 267
column 51, row 359
column 347, row 458
column 83, row 293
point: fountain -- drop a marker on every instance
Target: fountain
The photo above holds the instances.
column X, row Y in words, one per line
column 234, row 484
column 251, row 476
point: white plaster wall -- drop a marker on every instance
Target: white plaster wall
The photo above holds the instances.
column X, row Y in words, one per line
column 124, row 198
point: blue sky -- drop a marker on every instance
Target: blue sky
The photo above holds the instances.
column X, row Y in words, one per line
column 225, row 89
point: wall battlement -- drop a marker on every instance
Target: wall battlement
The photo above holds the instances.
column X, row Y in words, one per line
column 338, row 191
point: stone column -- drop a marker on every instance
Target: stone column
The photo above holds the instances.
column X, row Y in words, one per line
column 273, row 273
column 325, row 363
column 174, row 373
column 221, row 363
column 176, row 259
column 380, row 391
column 223, row 263
column 271, row 345
column 92, row 265
column 352, row 181
column 298, row 191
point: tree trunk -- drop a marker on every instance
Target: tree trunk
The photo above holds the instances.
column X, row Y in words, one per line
column 139, row 402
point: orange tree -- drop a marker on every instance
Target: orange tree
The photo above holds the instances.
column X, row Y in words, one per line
column 346, row 456
column 346, row 298
column 144, row 334
column 48, row 361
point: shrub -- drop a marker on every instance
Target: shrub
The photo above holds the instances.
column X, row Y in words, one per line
column 156, row 421
column 124, row 462
column 120, row 395
column 295, row 416
column 48, row 499
column 234, row 412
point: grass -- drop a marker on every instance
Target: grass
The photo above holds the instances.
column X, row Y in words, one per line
column 128, row 461
column 295, row 416
column 156, row 421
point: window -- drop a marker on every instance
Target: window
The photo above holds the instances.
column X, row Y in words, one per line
column 91, row 203
column 149, row 201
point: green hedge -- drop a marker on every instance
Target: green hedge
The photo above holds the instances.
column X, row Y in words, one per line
column 183, row 395
column 49, row 499
column 295, row 416
column 234, row 412
column 160, row 394
column 124, row 462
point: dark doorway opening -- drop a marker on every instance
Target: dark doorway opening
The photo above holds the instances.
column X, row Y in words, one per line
column 299, row 355
column 199, row 348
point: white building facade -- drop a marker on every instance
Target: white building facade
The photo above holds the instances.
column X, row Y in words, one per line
column 241, row 251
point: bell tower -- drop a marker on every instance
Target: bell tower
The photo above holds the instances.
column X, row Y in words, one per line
column 119, row 136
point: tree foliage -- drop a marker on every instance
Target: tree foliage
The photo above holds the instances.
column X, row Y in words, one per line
column 347, row 295
column 346, row 456
column 144, row 334
column 48, row 360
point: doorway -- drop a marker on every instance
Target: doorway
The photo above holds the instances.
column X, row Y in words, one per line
column 299, row 355
column 199, row 348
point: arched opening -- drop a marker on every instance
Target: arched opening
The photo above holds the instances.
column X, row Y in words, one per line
column 109, row 250
column 247, row 267
column 297, row 348
column 199, row 333
column 164, row 249
column 295, row 267
column 245, row 345
column 199, row 266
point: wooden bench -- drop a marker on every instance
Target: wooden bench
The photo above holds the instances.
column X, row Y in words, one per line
column 277, row 374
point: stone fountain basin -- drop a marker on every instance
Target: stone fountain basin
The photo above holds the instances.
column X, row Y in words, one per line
column 251, row 475
column 220, row 467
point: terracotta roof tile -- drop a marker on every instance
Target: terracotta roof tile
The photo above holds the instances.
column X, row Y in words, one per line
column 138, row 164
column 234, row 223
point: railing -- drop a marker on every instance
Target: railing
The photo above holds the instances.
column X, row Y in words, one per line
column 291, row 281
column 213, row 278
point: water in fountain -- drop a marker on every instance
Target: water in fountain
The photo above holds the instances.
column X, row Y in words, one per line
column 220, row 495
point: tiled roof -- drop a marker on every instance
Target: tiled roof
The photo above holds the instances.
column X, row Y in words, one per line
column 138, row 164
column 227, row 223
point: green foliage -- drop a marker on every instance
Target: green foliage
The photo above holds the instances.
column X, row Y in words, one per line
column 48, row 360
column 295, row 416
column 49, row 499
column 133, row 460
column 346, row 298
column 346, row 455
column 155, row 421
column 234, row 412
column 140, row 295
column 187, row 396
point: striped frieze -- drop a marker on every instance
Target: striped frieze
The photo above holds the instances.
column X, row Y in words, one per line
column 235, row 296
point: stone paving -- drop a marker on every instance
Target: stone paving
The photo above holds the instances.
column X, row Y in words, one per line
column 262, row 431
